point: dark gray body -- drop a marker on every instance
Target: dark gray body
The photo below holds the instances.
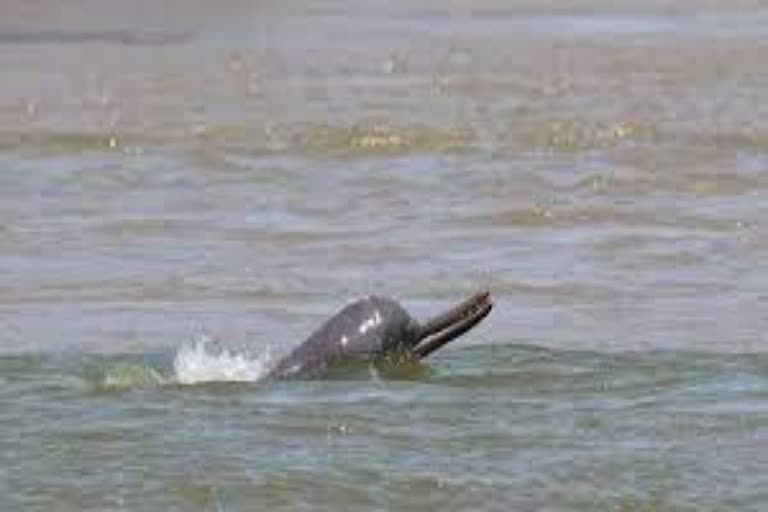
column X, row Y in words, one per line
column 375, row 327
column 365, row 329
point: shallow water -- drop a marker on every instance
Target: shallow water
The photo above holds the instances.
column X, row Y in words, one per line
column 176, row 172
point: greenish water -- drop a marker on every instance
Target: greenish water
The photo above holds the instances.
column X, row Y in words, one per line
column 493, row 427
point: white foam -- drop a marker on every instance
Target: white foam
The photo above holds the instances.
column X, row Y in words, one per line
column 195, row 363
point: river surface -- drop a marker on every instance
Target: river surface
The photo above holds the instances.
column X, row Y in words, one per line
column 188, row 189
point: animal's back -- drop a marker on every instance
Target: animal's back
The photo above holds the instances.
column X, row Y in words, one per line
column 365, row 328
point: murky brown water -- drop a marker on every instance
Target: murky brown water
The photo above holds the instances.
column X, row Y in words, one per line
column 245, row 169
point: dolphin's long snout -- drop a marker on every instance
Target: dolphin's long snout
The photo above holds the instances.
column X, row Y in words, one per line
column 448, row 326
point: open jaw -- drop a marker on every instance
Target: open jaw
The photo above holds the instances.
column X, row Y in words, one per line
column 448, row 326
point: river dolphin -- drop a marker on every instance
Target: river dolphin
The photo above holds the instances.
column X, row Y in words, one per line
column 376, row 327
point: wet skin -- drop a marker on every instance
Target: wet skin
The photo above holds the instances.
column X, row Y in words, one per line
column 375, row 327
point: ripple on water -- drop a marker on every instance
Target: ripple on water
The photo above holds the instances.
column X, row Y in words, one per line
column 518, row 422
column 42, row 142
column 582, row 135
column 380, row 139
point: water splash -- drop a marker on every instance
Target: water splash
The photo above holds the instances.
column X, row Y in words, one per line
column 200, row 361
